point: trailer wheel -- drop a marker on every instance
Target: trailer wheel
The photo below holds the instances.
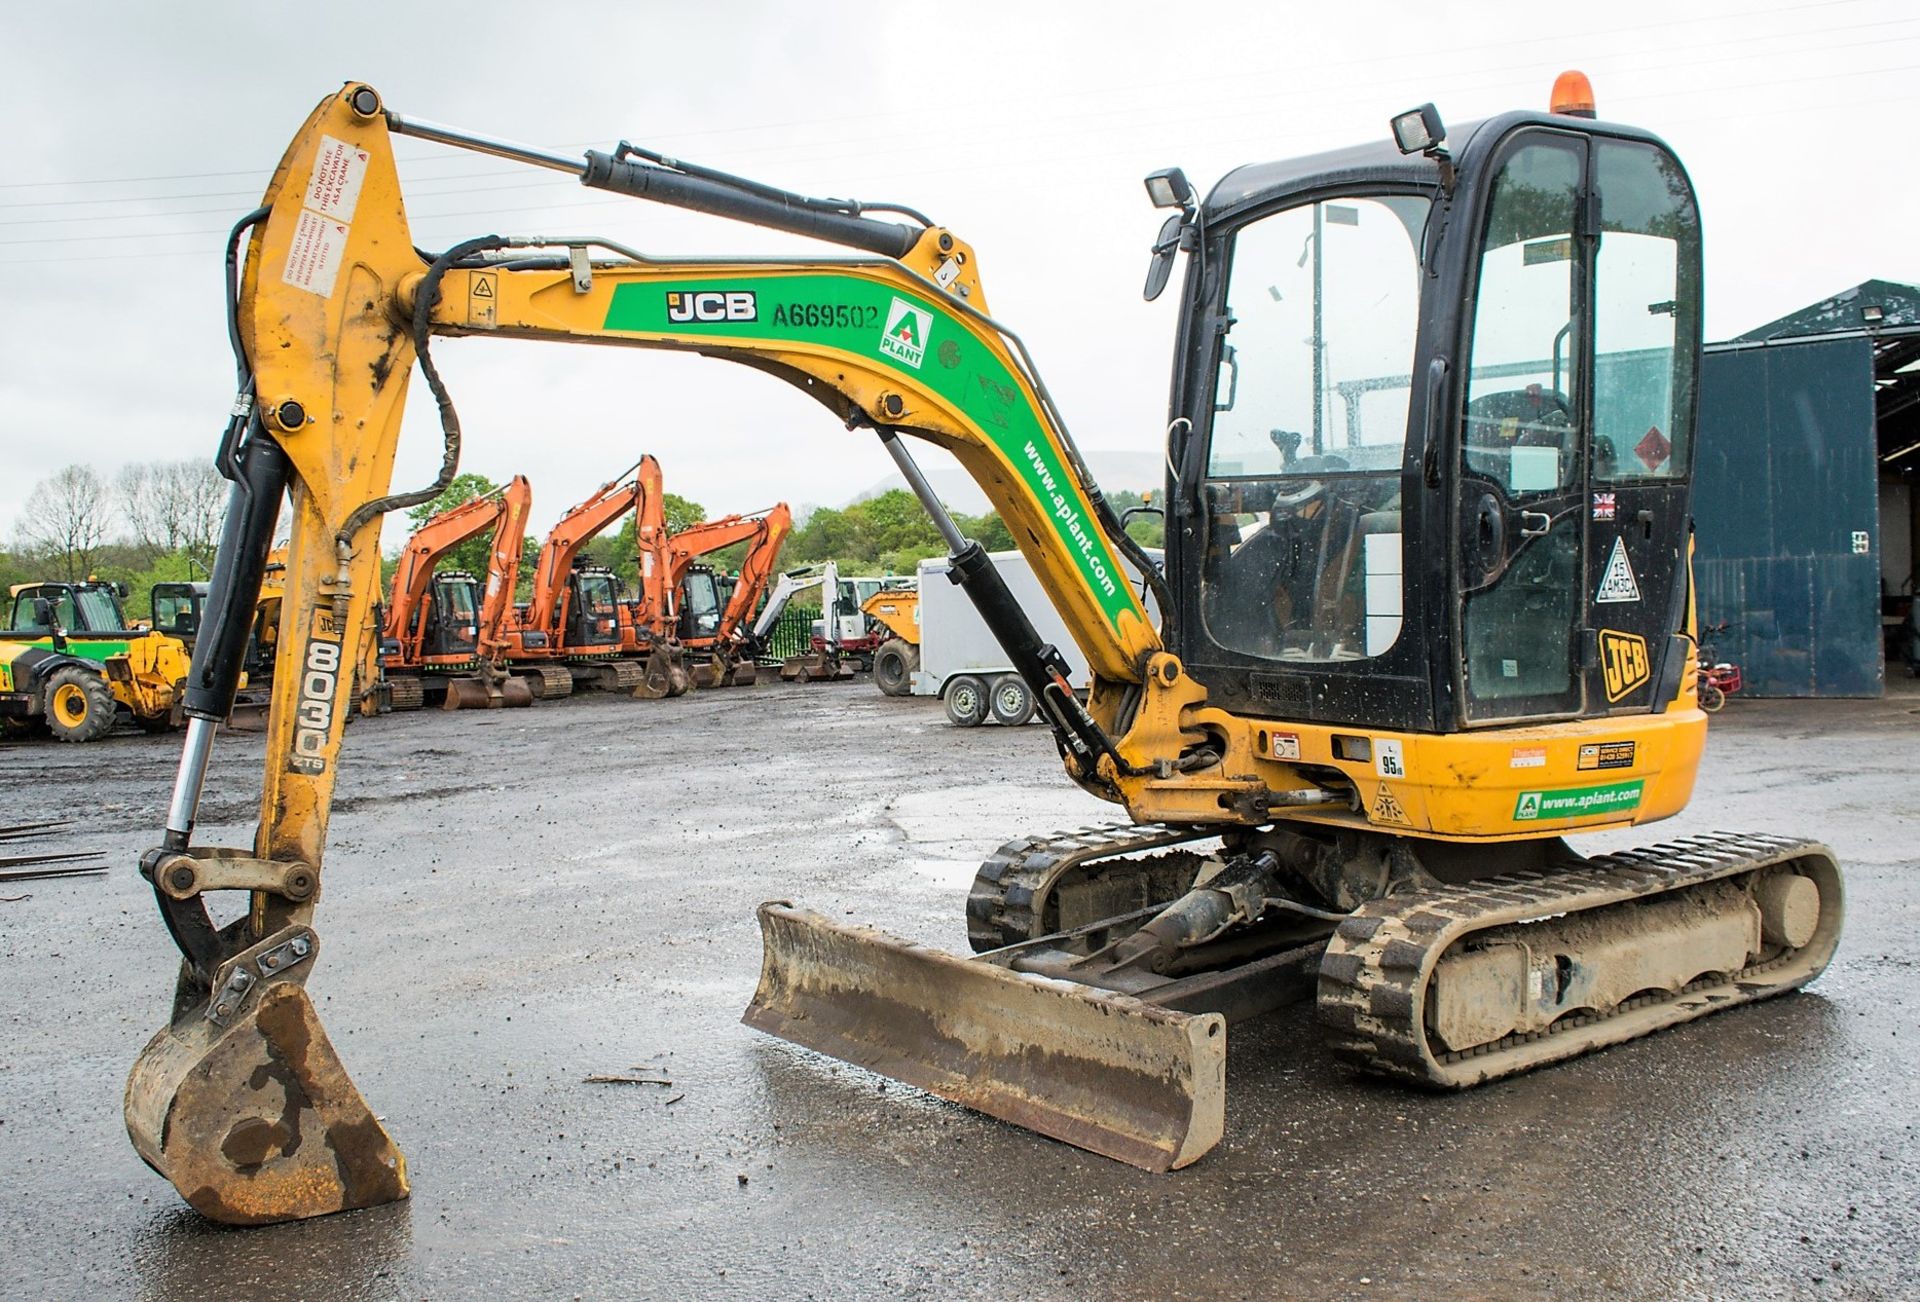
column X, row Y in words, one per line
column 1011, row 700
column 79, row 704
column 893, row 666
column 967, row 701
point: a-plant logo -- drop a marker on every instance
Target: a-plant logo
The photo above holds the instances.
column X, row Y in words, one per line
column 693, row 305
column 1623, row 659
column 906, row 334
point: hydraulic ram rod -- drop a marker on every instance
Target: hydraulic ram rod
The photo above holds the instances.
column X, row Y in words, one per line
column 761, row 206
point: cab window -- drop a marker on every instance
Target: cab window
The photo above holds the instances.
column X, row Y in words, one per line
column 1309, row 433
column 1642, row 381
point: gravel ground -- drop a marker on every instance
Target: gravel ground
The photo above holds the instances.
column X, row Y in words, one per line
column 518, row 900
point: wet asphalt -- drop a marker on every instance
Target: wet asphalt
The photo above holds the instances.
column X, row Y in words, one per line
column 517, row 900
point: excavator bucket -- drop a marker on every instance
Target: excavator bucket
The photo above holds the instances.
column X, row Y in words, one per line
column 816, row 667
column 711, row 674
column 1100, row 1070
column 745, row 673
column 503, row 691
column 255, row 1120
column 664, row 674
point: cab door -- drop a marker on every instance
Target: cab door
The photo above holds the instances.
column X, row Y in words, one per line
column 1646, row 329
column 1520, row 512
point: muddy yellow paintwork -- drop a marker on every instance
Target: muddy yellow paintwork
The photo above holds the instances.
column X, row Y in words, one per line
column 345, row 358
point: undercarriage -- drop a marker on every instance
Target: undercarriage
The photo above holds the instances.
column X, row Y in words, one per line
column 1112, row 958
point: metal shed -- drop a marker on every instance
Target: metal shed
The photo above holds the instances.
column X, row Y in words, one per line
column 1804, row 497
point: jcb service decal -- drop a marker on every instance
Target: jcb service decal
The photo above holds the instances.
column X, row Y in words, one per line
column 1607, row 755
column 319, row 679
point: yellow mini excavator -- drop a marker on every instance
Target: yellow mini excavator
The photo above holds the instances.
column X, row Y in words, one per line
column 1426, row 613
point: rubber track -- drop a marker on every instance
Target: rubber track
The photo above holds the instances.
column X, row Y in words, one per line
column 1001, row 903
column 1379, row 957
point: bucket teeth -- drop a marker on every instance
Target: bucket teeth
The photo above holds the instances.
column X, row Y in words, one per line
column 1099, row 1070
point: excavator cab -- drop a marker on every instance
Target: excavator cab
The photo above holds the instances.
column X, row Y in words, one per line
column 1433, row 428
column 700, row 603
column 453, row 618
column 593, row 608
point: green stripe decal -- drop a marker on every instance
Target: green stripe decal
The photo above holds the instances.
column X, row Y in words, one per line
column 917, row 338
column 1577, row 802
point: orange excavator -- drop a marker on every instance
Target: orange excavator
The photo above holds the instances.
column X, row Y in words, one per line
column 444, row 636
column 576, row 630
column 712, row 628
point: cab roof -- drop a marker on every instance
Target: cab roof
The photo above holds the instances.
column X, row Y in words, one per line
column 1380, row 162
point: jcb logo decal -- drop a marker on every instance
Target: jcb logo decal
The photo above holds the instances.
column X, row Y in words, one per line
column 1623, row 657
column 712, row 305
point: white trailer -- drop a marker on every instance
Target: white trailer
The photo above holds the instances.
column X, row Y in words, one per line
column 960, row 661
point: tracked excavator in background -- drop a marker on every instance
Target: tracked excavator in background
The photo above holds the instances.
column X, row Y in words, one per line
column 1427, row 617
column 822, row 661
column 445, row 631
column 713, row 631
column 576, row 631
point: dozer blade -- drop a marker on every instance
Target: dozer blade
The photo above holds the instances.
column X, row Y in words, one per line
column 1096, row 1069
column 256, row 1121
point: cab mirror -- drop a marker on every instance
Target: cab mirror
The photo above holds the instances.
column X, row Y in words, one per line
column 1161, row 267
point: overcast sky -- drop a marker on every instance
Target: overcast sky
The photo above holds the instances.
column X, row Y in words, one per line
column 138, row 132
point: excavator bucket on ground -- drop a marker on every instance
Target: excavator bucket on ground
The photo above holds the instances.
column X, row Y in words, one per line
column 815, row 667
column 490, row 692
column 663, row 674
column 1103, row 1071
column 244, row 1105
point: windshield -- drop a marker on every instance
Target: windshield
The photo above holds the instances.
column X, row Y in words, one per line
column 458, row 594
column 99, row 612
column 701, row 604
column 597, row 594
column 175, row 612
column 1310, row 428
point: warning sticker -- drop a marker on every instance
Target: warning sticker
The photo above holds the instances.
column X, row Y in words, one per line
column 1607, row 755
column 313, row 261
column 1579, row 802
column 1618, row 584
column 338, row 170
column 1528, row 757
column 1387, row 761
column 1386, row 809
column 1653, row 449
column 482, row 296
column 1284, row 745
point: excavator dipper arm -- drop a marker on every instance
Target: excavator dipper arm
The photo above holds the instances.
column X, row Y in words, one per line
column 241, row 1101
